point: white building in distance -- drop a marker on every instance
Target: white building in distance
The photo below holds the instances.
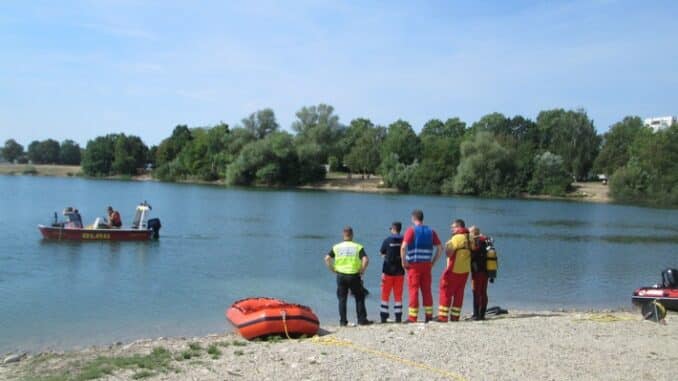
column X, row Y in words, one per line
column 660, row 122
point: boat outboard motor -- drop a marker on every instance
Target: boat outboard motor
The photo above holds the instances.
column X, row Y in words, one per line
column 154, row 224
column 670, row 278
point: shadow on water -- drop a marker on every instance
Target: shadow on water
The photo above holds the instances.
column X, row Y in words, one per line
column 573, row 223
column 312, row 236
column 609, row 238
column 560, row 223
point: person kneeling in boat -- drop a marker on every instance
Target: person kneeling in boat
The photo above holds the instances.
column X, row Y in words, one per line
column 348, row 260
column 114, row 220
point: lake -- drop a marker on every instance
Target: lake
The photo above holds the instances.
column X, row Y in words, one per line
column 220, row 244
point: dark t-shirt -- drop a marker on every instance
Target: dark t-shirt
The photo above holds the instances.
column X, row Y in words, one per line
column 390, row 248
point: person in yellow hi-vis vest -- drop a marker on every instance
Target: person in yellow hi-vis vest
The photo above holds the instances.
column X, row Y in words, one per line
column 348, row 260
column 453, row 279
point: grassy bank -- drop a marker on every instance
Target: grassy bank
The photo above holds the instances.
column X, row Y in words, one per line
column 40, row 170
column 518, row 346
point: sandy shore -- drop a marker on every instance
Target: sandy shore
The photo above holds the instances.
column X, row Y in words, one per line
column 518, row 346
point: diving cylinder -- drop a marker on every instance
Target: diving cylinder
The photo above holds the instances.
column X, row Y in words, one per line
column 491, row 262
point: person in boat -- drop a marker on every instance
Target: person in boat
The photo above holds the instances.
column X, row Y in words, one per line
column 453, row 280
column 73, row 218
column 392, row 274
column 479, row 276
column 416, row 254
column 349, row 261
column 114, row 220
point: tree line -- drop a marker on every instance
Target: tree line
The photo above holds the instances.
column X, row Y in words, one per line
column 495, row 156
column 47, row 151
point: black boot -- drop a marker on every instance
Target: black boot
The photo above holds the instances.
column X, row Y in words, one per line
column 476, row 313
column 399, row 317
column 384, row 317
column 481, row 313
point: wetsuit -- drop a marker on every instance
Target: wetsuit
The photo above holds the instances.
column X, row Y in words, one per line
column 479, row 277
column 392, row 277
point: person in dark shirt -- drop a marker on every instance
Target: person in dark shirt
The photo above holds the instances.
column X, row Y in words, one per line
column 393, row 274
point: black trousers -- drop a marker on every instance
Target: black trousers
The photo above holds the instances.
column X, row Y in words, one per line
column 351, row 282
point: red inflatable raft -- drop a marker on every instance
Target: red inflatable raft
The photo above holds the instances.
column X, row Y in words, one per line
column 257, row 317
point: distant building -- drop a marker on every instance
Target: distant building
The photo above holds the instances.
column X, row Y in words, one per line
column 660, row 122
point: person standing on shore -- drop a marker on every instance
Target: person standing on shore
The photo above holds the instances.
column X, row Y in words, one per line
column 453, row 279
column 393, row 274
column 479, row 275
column 348, row 260
column 418, row 259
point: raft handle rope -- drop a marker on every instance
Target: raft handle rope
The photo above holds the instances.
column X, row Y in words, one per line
column 333, row 341
column 284, row 321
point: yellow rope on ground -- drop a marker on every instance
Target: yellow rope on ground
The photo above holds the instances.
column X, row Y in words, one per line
column 333, row 341
column 284, row 320
column 606, row 318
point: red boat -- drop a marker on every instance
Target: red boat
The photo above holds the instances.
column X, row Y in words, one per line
column 142, row 228
column 85, row 234
column 257, row 317
column 665, row 293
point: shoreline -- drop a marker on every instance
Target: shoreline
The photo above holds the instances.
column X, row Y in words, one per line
column 520, row 345
column 591, row 192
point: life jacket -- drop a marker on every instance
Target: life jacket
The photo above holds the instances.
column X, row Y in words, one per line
column 347, row 257
column 421, row 248
column 462, row 245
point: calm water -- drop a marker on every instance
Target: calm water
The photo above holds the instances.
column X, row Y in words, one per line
column 218, row 245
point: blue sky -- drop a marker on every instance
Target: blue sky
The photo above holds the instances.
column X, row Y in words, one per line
column 79, row 69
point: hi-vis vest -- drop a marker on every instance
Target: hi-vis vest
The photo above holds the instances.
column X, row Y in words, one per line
column 461, row 245
column 347, row 257
column 421, row 248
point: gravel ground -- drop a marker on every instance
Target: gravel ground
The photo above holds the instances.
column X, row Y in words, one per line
column 519, row 346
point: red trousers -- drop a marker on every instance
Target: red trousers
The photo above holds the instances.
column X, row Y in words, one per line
column 394, row 284
column 479, row 285
column 419, row 278
column 451, row 294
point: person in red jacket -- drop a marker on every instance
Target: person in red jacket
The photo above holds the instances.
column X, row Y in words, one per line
column 418, row 258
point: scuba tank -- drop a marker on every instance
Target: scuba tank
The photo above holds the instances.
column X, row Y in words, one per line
column 491, row 261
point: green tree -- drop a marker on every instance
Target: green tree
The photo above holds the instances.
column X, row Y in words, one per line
column 401, row 140
column 485, row 169
column 571, row 135
column 318, row 125
column 440, row 144
column 651, row 174
column 169, row 148
column 364, row 154
column 98, row 157
column 69, row 153
column 550, row 176
column 261, row 123
column 617, row 143
column 12, row 150
column 44, row 152
column 269, row 161
column 129, row 154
